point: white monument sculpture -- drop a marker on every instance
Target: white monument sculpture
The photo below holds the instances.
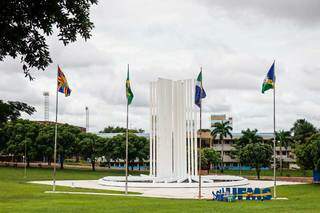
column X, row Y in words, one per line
column 173, row 142
column 173, row 135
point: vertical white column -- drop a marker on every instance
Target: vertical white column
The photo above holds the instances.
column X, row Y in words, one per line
column 178, row 144
column 158, row 91
column 181, row 123
column 177, row 129
column 151, row 132
column 174, row 129
column 191, row 128
column 183, row 129
column 164, row 131
column 154, row 128
column 195, row 135
column 187, row 125
column 189, row 118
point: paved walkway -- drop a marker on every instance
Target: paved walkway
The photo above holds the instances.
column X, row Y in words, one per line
column 182, row 193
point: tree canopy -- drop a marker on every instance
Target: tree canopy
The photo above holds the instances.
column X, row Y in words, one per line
column 26, row 24
column 12, row 110
column 302, row 130
column 256, row 155
column 251, row 150
column 118, row 129
column 209, row 156
column 308, row 154
column 248, row 137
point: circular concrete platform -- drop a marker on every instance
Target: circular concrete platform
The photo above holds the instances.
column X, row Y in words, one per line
column 144, row 181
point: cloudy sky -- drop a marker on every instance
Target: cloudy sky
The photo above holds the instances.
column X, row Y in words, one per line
column 235, row 41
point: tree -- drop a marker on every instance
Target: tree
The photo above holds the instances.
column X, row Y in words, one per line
column 308, row 154
column 45, row 142
column 21, row 139
column 67, row 140
column 208, row 157
column 2, row 140
column 12, row 111
column 107, row 150
column 142, row 145
column 256, row 155
column 302, row 130
column 283, row 139
column 248, row 137
column 25, row 25
column 138, row 148
column 222, row 129
column 90, row 145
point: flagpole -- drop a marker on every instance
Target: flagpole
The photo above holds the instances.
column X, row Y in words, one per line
column 55, row 141
column 199, row 164
column 127, row 135
column 274, row 142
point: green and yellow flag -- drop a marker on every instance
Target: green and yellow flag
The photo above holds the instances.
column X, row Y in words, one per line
column 270, row 80
column 129, row 92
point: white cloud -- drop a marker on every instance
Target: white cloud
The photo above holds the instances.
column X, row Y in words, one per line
column 234, row 41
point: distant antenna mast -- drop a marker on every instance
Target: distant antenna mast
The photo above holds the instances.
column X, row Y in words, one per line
column 46, row 106
column 87, row 119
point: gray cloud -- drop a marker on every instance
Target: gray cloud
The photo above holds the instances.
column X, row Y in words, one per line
column 301, row 12
column 234, row 41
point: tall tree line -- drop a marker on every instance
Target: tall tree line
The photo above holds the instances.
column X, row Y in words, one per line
column 72, row 143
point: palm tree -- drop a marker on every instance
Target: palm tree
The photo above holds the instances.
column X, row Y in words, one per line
column 222, row 129
column 284, row 139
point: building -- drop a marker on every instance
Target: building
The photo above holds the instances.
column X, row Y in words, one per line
column 288, row 157
column 219, row 118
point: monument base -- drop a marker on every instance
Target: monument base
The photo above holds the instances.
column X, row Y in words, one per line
column 145, row 181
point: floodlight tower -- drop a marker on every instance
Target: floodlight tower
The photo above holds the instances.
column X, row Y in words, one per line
column 87, row 119
column 46, row 106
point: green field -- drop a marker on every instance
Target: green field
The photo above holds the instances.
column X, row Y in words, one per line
column 18, row 196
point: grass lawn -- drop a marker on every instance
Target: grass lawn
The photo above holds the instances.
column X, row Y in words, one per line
column 18, row 196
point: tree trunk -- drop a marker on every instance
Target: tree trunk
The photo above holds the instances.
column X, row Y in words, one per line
column 222, row 155
column 61, row 161
column 93, row 165
column 280, row 160
column 131, row 166
column 28, row 163
column 258, row 172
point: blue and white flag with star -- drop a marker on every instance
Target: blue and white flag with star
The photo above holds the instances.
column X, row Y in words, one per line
column 200, row 93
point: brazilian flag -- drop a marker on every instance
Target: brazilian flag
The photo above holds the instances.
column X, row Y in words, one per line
column 129, row 92
column 270, row 80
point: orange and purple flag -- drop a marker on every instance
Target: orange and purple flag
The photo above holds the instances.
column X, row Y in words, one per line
column 63, row 86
